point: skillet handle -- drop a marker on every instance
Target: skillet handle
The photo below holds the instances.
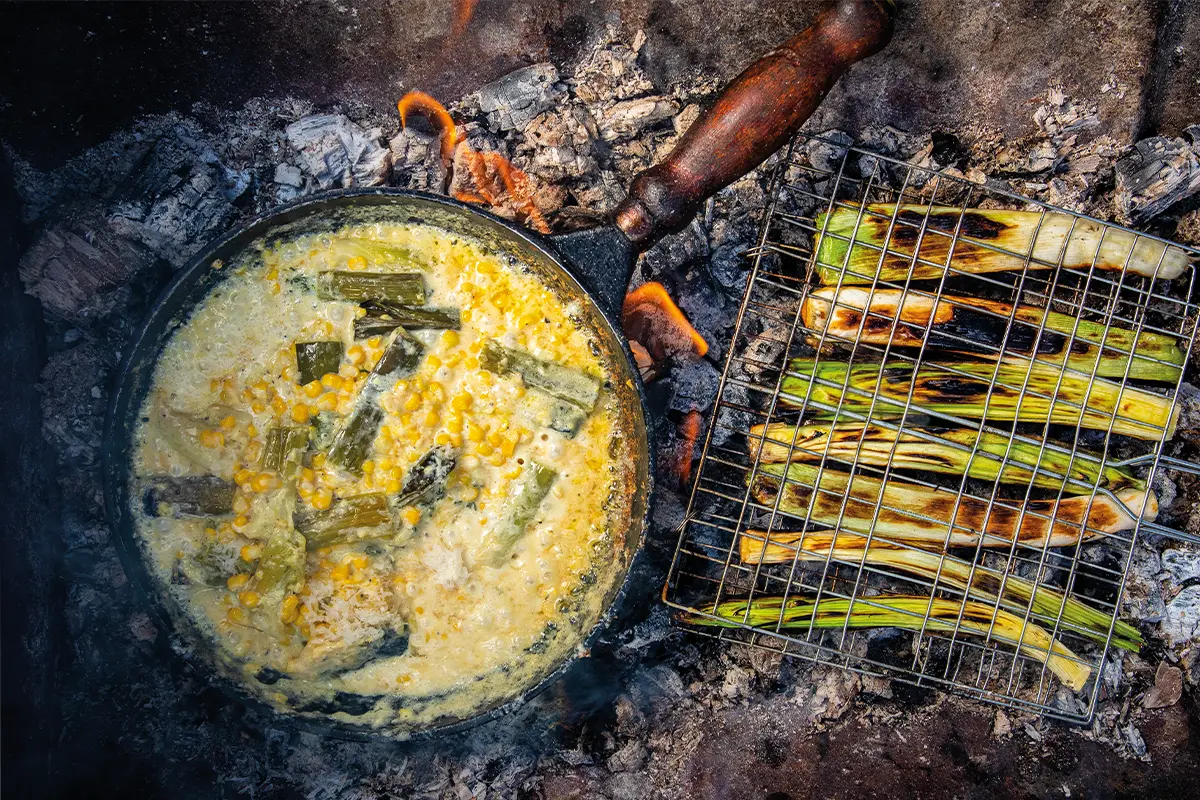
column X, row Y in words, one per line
column 756, row 114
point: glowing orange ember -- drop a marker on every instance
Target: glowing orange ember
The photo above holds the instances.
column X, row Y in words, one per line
column 463, row 10
column 652, row 320
column 685, row 446
column 425, row 106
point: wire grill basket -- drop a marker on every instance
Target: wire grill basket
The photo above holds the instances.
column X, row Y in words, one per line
column 743, row 546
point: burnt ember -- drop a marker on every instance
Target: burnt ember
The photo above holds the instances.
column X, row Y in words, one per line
column 655, row 711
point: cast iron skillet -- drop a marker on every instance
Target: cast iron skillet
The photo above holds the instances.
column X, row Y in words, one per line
column 753, row 117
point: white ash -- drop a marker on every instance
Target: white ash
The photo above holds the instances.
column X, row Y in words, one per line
column 338, row 153
column 513, row 101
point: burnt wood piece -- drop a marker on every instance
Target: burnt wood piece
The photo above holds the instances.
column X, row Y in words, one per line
column 758, row 113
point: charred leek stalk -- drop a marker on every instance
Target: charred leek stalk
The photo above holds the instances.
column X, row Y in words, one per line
column 530, row 489
column 965, row 390
column 953, row 451
column 555, row 380
column 912, row 512
column 384, row 318
column 189, row 495
column 354, row 439
column 405, row 288
column 982, row 327
column 985, row 241
column 315, row 359
column 979, row 582
column 327, row 528
column 902, row 611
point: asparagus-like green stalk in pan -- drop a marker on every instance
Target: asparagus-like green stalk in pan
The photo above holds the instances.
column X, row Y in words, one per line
column 384, row 318
column 991, row 329
column 954, row 451
column 354, row 439
column 316, row 359
column 404, row 288
column 1029, row 392
column 984, row 240
column 978, row 581
column 905, row 511
column 188, row 495
column 526, row 497
column 901, row 611
column 281, row 568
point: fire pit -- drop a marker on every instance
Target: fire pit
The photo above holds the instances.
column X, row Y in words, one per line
column 551, row 145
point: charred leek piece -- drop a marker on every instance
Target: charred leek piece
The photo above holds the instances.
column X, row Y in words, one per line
column 523, row 502
column 283, row 451
column 314, row 359
column 425, row 483
column 190, row 495
column 566, row 418
column 982, row 327
column 383, row 318
column 912, row 512
column 281, row 568
column 964, row 390
column 906, row 612
column 953, row 451
column 553, row 379
column 985, row 584
column 405, row 288
column 354, row 439
column 987, row 241
column 327, row 528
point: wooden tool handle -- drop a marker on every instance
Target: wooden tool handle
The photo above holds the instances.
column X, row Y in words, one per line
column 755, row 115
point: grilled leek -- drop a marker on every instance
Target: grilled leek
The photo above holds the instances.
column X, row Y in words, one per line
column 982, row 327
column 976, row 241
column 1028, row 392
column 979, row 582
column 924, row 614
column 904, row 511
column 953, row 451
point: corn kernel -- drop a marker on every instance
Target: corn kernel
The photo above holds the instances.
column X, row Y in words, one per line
column 237, row 581
column 468, row 494
column 483, row 449
column 243, row 475
column 414, row 435
column 322, row 499
column 360, row 561
column 392, row 485
column 212, row 438
column 368, row 466
column 433, row 361
column 279, row 406
column 264, row 481
column 495, row 439
column 301, row 413
column 412, row 515
column 318, row 460
column 431, row 419
column 470, row 463
column 241, row 504
column 456, row 440
column 258, row 406
column 331, row 380
column 508, row 448
column 327, row 402
column 288, row 609
column 374, row 342
column 355, row 354
column 249, row 599
column 454, row 423
column 474, row 432
column 229, row 423
column 236, row 615
column 340, row 573
column 251, row 430
column 412, row 403
column 442, row 439
column 450, row 338
column 254, row 450
column 312, row 388
column 437, row 391
column 471, row 363
column 241, row 521
column 461, row 402
column 497, row 459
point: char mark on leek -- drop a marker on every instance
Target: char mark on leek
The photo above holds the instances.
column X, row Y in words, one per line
column 316, row 359
column 922, row 614
column 189, row 496
column 990, row 329
column 945, row 571
column 904, row 511
column 1026, row 392
column 954, row 451
column 353, row 441
column 328, row 527
column 984, row 240
column 383, row 318
column 402, row 288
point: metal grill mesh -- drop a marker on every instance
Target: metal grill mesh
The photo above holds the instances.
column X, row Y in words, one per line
column 724, row 514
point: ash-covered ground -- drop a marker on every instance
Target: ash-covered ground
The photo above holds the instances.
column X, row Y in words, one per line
column 654, row 712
